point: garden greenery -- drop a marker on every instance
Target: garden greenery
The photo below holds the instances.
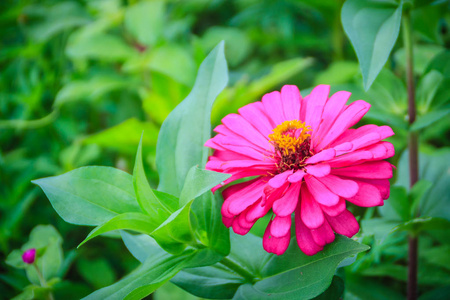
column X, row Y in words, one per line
column 176, row 231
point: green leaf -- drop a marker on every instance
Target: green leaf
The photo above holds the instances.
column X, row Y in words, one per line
column 150, row 275
column 416, row 194
column 141, row 246
column 199, row 181
column 418, row 225
column 337, row 73
column 56, row 19
column 210, row 281
column 90, row 195
column 434, row 167
column 334, row 291
column 93, row 88
column 145, row 21
column 188, row 126
column 125, row 136
column 172, row 292
column 399, row 202
column 175, row 232
column 373, row 28
column 207, row 223
column 295, row 275
column 423, row 55
column 149, row 203
column 245, row 92
column 430, row 118
column 83, row 44
column 32, row 292
column 173, row 61
column 237, row 43
column 132, row 221
column 426, row 90
column 97, row 272
column 154, row 272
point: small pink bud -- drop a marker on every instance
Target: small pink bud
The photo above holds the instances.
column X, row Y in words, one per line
column 29, row 256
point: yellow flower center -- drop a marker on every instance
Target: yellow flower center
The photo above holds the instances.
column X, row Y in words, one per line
column 289, row 136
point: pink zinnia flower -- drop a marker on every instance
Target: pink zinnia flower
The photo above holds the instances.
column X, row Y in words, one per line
column 307, row 162
column 29, row 256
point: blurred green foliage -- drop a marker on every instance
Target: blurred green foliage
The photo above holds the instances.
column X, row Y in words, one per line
column 81, row 80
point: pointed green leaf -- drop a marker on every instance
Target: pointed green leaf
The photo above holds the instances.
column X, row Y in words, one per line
column 175, row 232
column 434, row 166
column 149, row 203
column 199, row 181
column 372, row 27
column 188, row 126
column 154, row 272
column 90, row 195
column 207, row 223
column 141, row 246
column 295, row 275
column 132, row 221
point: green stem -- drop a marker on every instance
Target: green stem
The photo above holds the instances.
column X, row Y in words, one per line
column 30, row 124
column 413, row 149
column 42, row 281
column 238, row 269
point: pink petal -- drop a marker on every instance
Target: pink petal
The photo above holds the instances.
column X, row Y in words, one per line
column 304, row 238
column 335, row 209
column 290, row 96
column 287, row 203
column 240, row 165
column 342, row 187
column 367, row 196
column 315, row 105
column 249, row 152
column 323, row 235
column 280, row 226
column 297, row 176
column 273, row 107
column 227, row 221
column 321, row 156
column 320, row 192
column 349, row 117
column 240, row 196
column 238, row 175
column 271, row 194
column 278, row 180
column 242, row 127
column 255, row 115
column 238, row 228
column 369, row 170
column 334, row 106
column 277, row 245
column 383, row 185
column 311, row 213
column 256, row 211
column 344, row 224
column 319, row 170
column 351, row 159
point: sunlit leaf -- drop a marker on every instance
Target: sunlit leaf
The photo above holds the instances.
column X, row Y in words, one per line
column 90, row 195
column 373, row 28
column 188, row 126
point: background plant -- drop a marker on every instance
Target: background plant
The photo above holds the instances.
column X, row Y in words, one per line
column 81, row 80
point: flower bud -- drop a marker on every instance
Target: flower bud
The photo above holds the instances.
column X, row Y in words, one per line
column 29, row 256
